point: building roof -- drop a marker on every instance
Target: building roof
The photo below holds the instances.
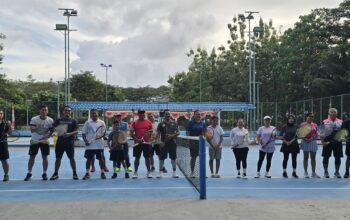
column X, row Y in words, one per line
column 172, row 106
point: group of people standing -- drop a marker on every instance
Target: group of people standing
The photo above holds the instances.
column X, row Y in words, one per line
column 158, row 138
column 330, row 145
column 266, row 136
column 143, row 131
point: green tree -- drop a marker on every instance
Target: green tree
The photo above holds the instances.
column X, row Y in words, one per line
column 2, row 36
column 146, row 94
column 316, row 53
column 85, row 87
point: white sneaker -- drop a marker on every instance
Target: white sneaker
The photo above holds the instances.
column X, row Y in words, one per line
column 257, row 175
column 149, row 175
column 193, row 175
column 135, row 176
column 217, row 175
column 314, row 175
column 238, row 175
column 267, row 175
column 306, row 176
column 160, row 175
column 175, row 175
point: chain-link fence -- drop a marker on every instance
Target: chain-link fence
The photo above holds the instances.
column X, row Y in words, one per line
column 279, row 110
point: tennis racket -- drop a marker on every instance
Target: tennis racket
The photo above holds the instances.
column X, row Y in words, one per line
column 95, row 135
column 342, row 135
column 325, row 131
column 118, row 139
column 122, row 136
column 209, row 133
column 272, row 138
column 61, row 129
column 10, row 137
column 303, row 131
column 146, row 138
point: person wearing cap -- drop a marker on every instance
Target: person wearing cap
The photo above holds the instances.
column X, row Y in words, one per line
column 266, row 136
column 309, row 145
column 288, row 135
column 140, row 130
column 330, row 144
column 124, row 127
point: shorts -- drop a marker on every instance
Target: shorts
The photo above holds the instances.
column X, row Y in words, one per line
column 168, row 148
column 34, row 149
column 4, row 151
column 156, row 150
column 61, row 148
column 145, row 148
column 117, row 155
column 336, row 147
column 89, row 154
column 215, row 153
column 194, row 149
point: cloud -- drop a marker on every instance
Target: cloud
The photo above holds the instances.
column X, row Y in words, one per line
column 144, row 40
column 153, row 37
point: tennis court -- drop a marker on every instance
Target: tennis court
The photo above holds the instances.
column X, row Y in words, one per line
column 227, row 195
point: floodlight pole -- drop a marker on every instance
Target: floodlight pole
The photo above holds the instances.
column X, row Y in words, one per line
column 106, row 66
column 68, row 12
column 63, row 27
column 249, row 17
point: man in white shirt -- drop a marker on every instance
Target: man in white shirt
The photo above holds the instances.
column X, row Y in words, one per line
column 94, row 146
column 40, row 127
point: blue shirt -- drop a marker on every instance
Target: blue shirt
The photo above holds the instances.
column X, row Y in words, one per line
column 123, row 126
column 195, row 128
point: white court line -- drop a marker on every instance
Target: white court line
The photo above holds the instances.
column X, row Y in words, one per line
column 171, row 188
column 96, row 189
column 278, row 188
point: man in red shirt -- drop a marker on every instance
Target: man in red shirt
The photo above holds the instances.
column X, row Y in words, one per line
column 141, row 131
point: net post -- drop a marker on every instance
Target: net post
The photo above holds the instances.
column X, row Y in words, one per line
column 202, row 169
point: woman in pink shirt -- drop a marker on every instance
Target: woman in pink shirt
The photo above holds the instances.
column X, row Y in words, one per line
column 309, row 145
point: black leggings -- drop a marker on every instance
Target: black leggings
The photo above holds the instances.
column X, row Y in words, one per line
column 241, row 157
column 337, row 161
column 268, row 160
column 286, row 157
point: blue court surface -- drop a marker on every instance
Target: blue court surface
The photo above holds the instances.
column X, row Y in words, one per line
column 228, row 186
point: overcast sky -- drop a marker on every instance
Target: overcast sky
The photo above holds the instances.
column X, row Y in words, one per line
column 144, row 40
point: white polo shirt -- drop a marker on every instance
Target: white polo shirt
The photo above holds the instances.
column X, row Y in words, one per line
column 44, row 125
column 89, row 130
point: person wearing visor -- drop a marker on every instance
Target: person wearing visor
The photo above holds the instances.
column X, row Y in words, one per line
column 266, row 136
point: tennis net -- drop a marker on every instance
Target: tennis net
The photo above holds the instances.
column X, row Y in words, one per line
column 191, row 161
